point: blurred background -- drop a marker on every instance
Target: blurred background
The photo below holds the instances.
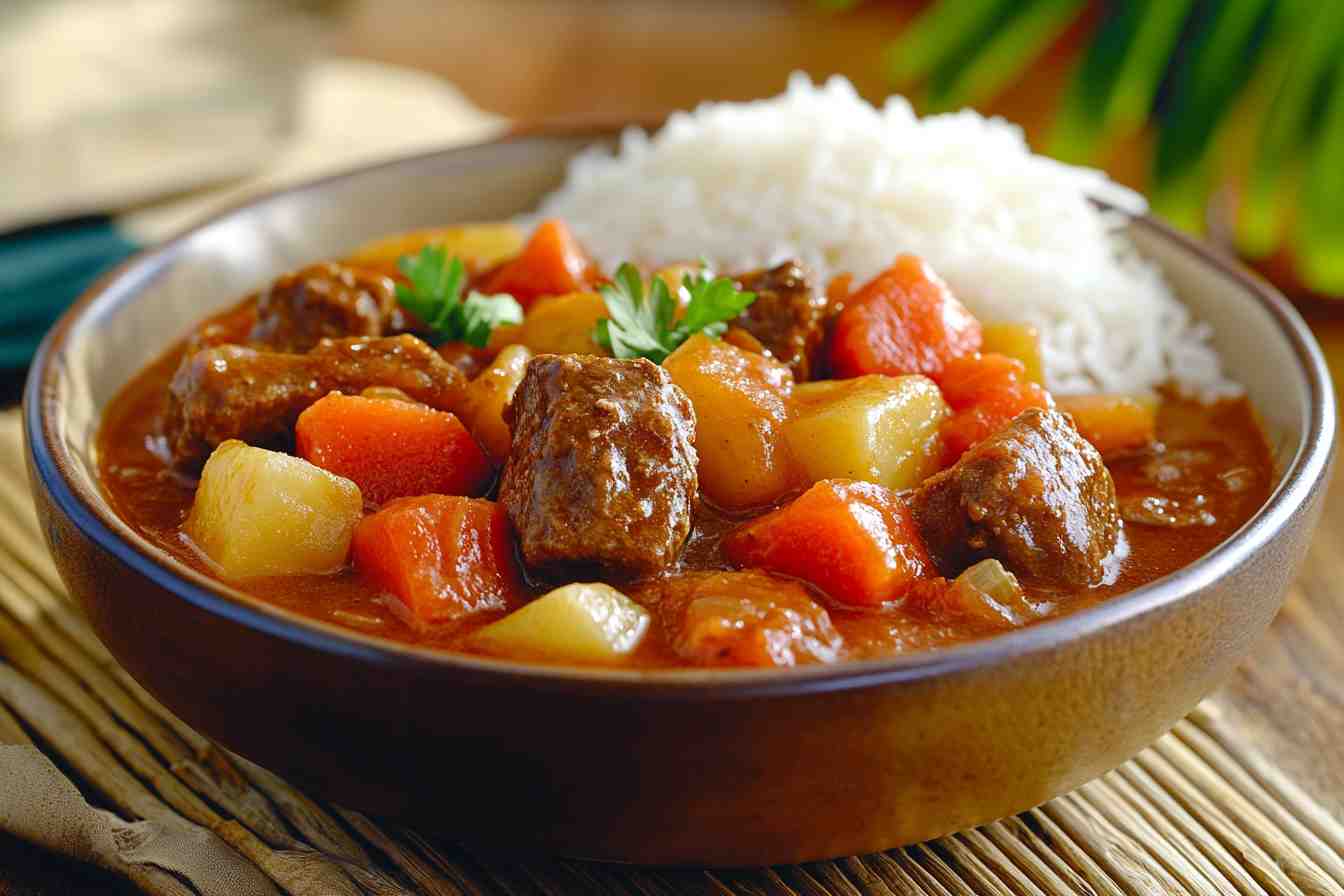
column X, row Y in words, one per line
column 121, row 120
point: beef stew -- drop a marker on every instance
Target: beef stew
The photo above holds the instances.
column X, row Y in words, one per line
column 700, row 486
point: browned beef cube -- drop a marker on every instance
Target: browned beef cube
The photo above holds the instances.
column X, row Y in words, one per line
column 1035, row 496
column 323, row 301
column 602, row 469
column 788, row 316
column 235, row 392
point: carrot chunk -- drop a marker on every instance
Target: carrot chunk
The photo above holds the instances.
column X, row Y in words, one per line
column 741, row 618
column 856, row 541
column 551, row 264
column 441, row 556
column 904, row 320
column 390, row 448
column 980, row 378
column 986, row 392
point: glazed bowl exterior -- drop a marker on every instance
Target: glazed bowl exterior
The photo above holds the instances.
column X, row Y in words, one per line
column 721, row 767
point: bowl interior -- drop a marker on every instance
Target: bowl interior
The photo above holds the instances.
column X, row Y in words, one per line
column 130, row 319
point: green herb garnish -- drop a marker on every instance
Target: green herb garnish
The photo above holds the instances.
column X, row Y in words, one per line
column 644, row 326
column 435, row 297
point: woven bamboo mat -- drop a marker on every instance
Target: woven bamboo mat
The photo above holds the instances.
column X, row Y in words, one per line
column 1201, row 811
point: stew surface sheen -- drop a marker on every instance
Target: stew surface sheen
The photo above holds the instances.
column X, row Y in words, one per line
column 1209, row 471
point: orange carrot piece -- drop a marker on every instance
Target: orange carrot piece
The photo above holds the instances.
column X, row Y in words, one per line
column 392, row 449
column 986, row 391
column 977, row 378
column 441, row 556
column 551, row 264
column 1113, row 423
column 856, row 541
column 904, row 320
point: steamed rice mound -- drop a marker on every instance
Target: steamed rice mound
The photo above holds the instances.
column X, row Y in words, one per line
column 819, row 174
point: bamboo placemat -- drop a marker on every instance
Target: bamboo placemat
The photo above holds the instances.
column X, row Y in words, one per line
column 1201, row 811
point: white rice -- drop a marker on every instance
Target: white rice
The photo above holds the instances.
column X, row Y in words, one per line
column 820, row 175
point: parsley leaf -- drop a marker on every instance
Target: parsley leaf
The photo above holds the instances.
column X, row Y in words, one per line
column 435, row 297
column 644, row 325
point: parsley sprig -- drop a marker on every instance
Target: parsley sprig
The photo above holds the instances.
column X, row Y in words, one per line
column 435, row 297
column 644, row 325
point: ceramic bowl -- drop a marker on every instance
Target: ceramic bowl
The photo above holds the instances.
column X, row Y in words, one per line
column 728, row 767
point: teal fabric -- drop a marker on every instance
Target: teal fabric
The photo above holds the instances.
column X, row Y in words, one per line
column 44, row 269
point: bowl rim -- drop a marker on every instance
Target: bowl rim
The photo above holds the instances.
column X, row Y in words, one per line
column 95, row 518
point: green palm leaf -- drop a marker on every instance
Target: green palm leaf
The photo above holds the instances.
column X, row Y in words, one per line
column 1206, row 82
column 1321, row 235
column 1013, row 42
column 1310, row 50
column 945, row 31
column 1113, row 87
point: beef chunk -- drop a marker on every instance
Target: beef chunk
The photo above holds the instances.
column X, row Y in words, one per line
column 325, row 301
column 1036, row 496
column 602, row 468
column 788, row 316
column 237, row 392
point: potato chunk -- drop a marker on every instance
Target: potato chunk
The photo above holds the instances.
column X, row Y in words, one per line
column 562, row 325
column 586, row 622
column 880, row 429
column 263, row 513
column 1020, row 341
column 480, row 246
column 743, row 399
column 1113, row 423
column 484, row 398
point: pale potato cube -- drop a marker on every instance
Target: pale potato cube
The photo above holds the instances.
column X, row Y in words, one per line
column 1020, row 341
column 484, row 400
column 480, row 246
column 563, row 325
column 586, row 622
column 742, row 401
column 264, row 513
column 881, row 429
column 1113, row 423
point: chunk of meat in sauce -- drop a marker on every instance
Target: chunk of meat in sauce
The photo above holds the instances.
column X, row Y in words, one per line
column 787, row 317
column 603, row 464
column 234, row 392
column 325, row 301
column 301, row 308
column 1036, row 496
column 748, row 618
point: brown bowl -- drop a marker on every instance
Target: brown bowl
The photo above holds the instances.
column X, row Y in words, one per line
column 707, row 767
